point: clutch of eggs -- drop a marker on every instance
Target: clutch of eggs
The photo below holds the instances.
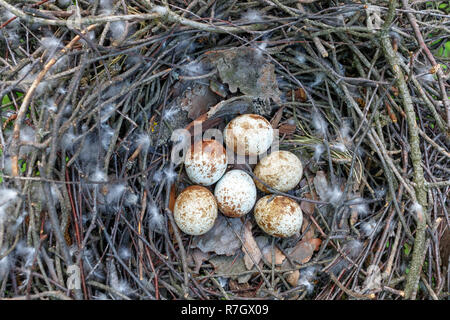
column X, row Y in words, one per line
column 196, row 208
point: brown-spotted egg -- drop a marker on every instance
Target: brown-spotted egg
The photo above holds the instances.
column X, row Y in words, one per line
column 249, row 135
column 195, row 210
column 280, row 170
column 279, row 217
column 206, row 162
column 235, row 193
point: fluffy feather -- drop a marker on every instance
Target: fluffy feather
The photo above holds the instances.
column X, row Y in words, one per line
column 319, row 123
column 368, row 228
column 318, row 150
column 7, row 196
column 252, row 16
column 155, row 218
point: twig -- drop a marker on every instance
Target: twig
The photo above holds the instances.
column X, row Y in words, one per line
column 416, row 155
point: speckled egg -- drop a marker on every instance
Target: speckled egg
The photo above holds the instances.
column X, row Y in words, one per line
column 206, row 162
column 249, row 135
column 280, row 170
column 280, row 217
column 195, row 210
column 235, row 193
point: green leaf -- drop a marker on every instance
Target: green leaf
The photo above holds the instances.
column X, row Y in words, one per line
column 447, row 49
column 444, row 50
column 444, row 6
column 435, row 42
column 5, row 100
column 406, row 249
column 23, row 165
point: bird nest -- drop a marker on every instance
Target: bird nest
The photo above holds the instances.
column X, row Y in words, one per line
column 92, row 95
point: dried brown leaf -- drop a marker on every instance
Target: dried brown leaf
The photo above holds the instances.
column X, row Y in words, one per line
column 287, row 128
column 303, row 251
column 198, row 257
column 316, row 242
column 197, row 100
column 224, row 265
column 307, row 235
column 264, row 244
column 292, row 277
column 244, row 69
column 220, row 239
column 321, row 184
column 277, row 117
column 306, row 206
column 250, row 247
column 299, row 95
column 279, row 257
column 242, row 289
column 235, row 105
